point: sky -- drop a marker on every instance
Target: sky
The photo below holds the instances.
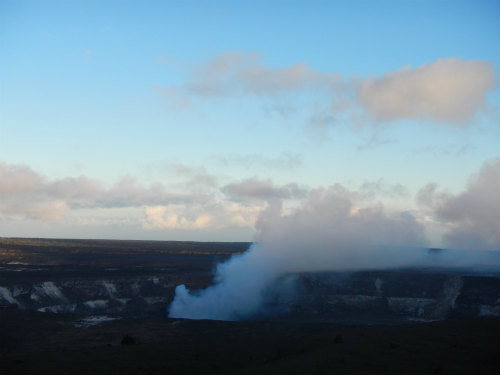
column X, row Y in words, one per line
column 191, row 120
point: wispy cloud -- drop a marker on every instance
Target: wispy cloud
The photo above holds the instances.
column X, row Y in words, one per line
column 381, row 188
column 243, row 73
column 376, row 140
column 450, row 150
column 197, row 177
column 264, row 190
column 448, row 90
column 250, row 161
column 238, row 74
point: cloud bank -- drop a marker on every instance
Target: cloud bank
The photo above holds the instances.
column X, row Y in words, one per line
column 196, row 203
column 472, row 217
column 24, row 192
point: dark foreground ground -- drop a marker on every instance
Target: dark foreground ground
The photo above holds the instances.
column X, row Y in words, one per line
column 146, row 342
column 48, row 344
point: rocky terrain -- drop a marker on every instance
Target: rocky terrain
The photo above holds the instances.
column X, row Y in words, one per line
column 85, row 306
column 332, row 296
column 386, row 296
column 112, row 278
column 116, row 279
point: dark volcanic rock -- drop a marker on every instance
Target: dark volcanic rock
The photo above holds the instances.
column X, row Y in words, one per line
column 138, row 279
column 34, row 343
column 131, row 279
column 383, row 296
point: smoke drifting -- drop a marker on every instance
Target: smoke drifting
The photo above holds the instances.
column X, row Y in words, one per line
column 328, row 232
column 472, row 216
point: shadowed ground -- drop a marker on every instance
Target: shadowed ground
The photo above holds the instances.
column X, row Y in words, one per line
column 39, row 343
column 47, row 343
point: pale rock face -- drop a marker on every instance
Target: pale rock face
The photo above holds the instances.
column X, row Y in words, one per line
column 117, row 297
column 315, row 295
column 6, row 295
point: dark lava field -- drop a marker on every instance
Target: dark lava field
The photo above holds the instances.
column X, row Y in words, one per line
column 54, row 292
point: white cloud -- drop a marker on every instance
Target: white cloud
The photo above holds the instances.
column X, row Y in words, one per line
column 212, row 216
column 447, row 90
column 450, row 90
column 158, row 217
column 49, row 211
column 334, row 215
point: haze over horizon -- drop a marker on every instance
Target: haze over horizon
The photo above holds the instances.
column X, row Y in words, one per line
column 223, row 121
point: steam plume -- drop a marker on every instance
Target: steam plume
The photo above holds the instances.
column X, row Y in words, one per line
column 326, row 233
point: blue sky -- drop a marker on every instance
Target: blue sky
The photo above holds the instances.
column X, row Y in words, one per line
column 186, row 120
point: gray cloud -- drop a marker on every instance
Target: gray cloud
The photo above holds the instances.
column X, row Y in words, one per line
column 243, row 72
column 450, row 90
column 197, row 177
column 236, row 74
column 181, row 176
column 265, row 190
column 472, row 216
column 320, row 122
column 25, row 192
column 381, row 188
column 374, row 141
column 249, row 161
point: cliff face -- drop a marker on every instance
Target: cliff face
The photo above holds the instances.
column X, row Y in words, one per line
column 385, row 296
column 138, row 296
column 138, row 278
column 86, row 291
column 366, row 297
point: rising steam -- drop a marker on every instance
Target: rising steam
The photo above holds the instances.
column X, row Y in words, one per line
column 326, row 233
